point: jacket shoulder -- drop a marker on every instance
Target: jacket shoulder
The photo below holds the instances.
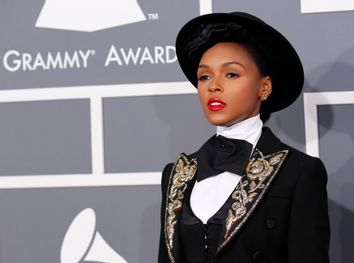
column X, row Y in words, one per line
column 301, row 157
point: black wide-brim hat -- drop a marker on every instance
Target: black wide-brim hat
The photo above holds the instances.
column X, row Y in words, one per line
column 287, row 71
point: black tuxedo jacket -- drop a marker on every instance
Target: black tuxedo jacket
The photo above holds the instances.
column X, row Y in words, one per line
column 278, row 214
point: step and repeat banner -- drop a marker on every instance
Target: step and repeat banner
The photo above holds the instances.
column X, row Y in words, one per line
column 93, row 105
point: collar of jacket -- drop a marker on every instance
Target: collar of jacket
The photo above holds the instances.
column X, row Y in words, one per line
column 262, row 167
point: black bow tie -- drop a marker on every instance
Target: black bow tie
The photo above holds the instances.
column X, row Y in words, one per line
column 220, row 154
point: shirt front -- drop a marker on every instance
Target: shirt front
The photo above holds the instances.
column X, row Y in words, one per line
column 210, row 194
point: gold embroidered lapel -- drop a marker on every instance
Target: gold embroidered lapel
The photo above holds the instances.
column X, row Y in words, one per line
column 182, row 172
column 258, row 175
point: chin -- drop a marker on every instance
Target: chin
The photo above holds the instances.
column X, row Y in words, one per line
column 225, row 122
column 219, row 122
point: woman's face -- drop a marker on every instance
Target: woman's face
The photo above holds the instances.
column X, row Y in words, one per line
column 230, row 86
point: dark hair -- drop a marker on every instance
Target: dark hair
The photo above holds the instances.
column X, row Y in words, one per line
column 210, row 34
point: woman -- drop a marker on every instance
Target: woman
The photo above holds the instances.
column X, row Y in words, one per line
column 244, row 196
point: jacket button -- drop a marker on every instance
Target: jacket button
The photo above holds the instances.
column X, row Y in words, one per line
column 271, row 223
column 258, row 255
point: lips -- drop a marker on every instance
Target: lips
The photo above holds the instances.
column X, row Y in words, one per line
column 215, row 104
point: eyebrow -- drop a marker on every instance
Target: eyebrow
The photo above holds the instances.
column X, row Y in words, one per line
column 223, row 65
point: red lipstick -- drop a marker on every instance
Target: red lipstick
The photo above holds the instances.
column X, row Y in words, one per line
column 215, row 104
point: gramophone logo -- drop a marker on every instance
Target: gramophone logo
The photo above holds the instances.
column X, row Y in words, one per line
column 89, row 15
column 83, row 243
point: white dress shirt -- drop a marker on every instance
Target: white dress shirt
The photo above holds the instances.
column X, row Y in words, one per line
column 210, row 194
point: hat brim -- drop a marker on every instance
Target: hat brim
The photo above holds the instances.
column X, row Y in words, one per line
column 286, row 64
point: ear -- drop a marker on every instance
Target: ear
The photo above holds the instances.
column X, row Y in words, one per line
column 266, row 88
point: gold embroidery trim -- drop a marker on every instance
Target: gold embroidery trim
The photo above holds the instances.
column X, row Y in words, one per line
column 258, row 175
column 182, row 172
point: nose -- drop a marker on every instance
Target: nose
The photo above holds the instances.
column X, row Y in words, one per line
column 215, row 86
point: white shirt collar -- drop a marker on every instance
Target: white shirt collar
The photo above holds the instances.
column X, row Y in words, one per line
column 249, row 130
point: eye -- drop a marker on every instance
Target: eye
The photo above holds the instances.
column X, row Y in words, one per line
column 203, row 77
column 232, row 75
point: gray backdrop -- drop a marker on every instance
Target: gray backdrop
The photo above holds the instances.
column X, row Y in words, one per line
column 142, row 133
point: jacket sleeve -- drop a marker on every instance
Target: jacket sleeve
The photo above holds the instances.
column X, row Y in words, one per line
column 163, row 256
column 308, row 233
